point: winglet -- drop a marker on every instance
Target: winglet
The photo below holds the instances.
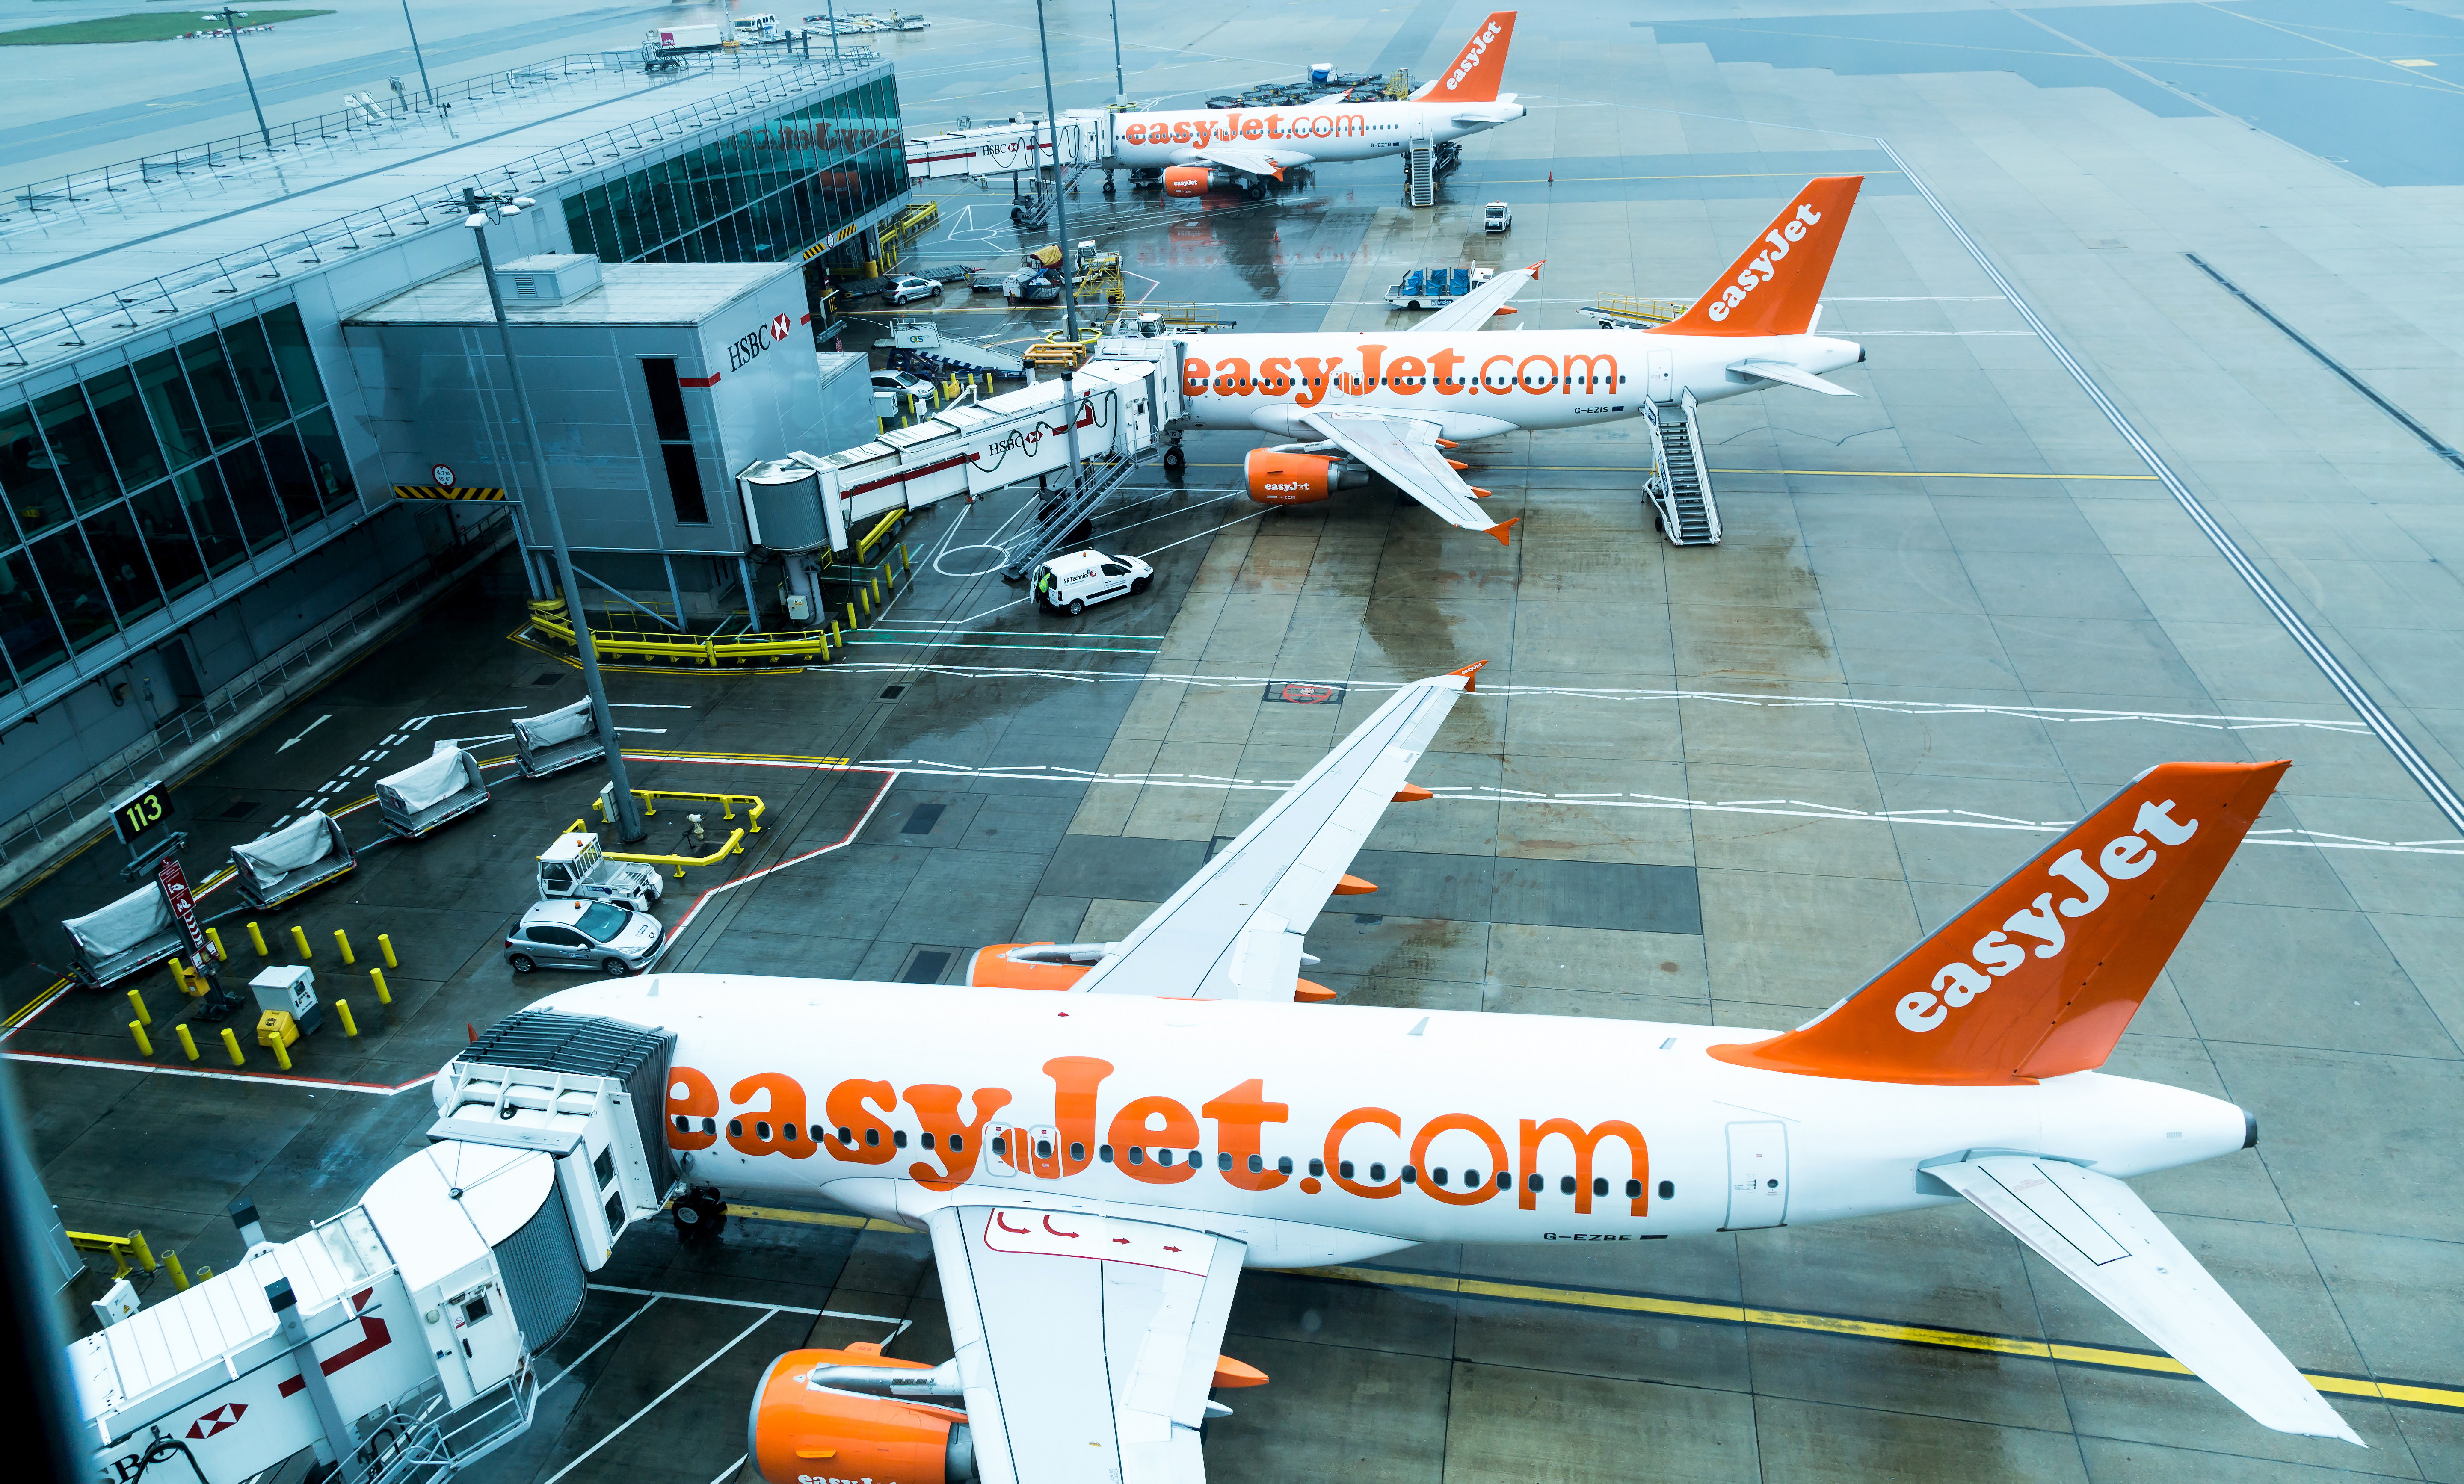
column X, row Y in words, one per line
column 1534, row 268
column 1499, row 531
column 1471, row 673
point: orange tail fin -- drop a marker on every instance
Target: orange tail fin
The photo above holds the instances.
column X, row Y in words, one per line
column 1774, row 286
column 2040, row 975
column 1478, row 67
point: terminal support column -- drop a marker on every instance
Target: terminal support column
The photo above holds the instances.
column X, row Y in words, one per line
column 625, row 811
column 1069, row 262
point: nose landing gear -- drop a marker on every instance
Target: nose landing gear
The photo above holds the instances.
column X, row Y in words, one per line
column 700, row 1215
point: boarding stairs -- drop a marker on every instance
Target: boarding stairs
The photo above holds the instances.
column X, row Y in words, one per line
column 1064, row 514
column 1680, row 488
column 923, row 337
column 1420, row 170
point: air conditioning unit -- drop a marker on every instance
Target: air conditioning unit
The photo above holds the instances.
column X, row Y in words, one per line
column 547, row 278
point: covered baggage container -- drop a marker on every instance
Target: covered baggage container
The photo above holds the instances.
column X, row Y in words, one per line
column 559, row 740
column 135, row 932
column 428, row 794
column 281, row 863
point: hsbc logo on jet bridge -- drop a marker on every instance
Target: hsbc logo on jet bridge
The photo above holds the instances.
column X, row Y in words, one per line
column 2123, row 858
column 1471, row 56
column 1759, row 271
column 745, row 349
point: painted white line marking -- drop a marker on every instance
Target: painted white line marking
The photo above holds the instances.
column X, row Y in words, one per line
column 549, row 1384
column 749, row 1303
column 370, row 753
column 767, row 1316
column 303, row 732
column 731, row 1470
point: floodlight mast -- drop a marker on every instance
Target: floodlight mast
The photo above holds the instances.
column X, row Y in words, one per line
column 624, row 810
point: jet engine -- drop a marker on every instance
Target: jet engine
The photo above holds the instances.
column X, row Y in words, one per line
column 1288, row 476
column 806, row 1426
column 1033, row 965
column 1187, row 180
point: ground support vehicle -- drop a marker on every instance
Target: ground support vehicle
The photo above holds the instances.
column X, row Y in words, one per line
column 444, row 787
column 1496, row 217
column 284, row 862
column 574, row 868
column 1070, row 583
column 1435, row 287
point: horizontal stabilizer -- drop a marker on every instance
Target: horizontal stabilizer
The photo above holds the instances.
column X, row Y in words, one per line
column 2104, row 1238
column 1793, row 375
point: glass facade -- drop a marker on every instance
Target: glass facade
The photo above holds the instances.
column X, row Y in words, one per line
column 138, row 484
column 764, row 194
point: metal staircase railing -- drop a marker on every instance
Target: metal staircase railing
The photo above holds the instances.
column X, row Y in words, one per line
column 1104, row 474
column 1419, row 171
column 1680, row 489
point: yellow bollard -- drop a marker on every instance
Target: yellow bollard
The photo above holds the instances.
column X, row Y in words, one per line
column 214, row 936
column 187, row 1043
column 204, row 1274
column 384, row 946
column 342, row 1013
column 281, row 1055
column 231, row 1043
column 137, row 1002
column 851, row 615
column 343, row 943
column 136, row 1028
column 256, row 940
column 180, row 975
column 144, row 1255
column 299, row 936
column 179, row 1275
column 376, row 976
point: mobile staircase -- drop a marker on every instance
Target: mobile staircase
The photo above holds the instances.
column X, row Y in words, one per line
column 1057, row 525
column 1680, row 488
column 1420, row 170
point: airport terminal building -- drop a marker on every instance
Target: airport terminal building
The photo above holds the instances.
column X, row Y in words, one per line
column 250, row 402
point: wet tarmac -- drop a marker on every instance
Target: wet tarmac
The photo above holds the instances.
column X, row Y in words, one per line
column 1714, row 785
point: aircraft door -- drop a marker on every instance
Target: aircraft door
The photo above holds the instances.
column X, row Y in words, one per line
column 1757, row 1175
column 1661, row 383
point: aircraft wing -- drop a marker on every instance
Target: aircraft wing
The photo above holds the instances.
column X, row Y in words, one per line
column 1085, row 1343
column 2104, row 1238
column 1234, row 930
column 1474, row 309
column 1404, row 451
column 1253, row 158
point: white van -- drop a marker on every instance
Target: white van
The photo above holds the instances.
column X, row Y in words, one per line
column 1068, row 584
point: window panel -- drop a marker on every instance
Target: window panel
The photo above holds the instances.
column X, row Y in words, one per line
column 176, row 423
column 26, row 625
column 300, row 380
column 577, row 224
column 77, row 453
column 260, row 387
column 293, row 483
column 629, row 226
column 252, row 495
column 200, row 494
column 327, row 467
column 684, row 484
column 26, row 474
column 164, row 533
column 602, row 222
column 76, row 587
column 217, row 394
column 124, row 427
column 111, row 535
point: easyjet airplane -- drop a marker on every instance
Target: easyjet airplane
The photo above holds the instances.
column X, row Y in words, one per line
column 1393, row 402
column 1254, row 145
column 1096, row 1167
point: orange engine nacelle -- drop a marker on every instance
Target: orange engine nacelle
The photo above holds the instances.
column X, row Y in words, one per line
column 1280, row 478
column 996, row 969
column 801, row 1434
column 1187, row 180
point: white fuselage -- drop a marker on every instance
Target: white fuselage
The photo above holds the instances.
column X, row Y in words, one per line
column 1477, row 384
column 1473, row 1095
column 1326, row 133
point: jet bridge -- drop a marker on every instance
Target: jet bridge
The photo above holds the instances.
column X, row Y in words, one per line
column 397, row 1340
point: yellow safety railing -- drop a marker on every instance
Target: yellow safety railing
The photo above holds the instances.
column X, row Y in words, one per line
column 727, row 803
column 881, row 528
column 1057, row 350
column 733, row 846
column 1641, row 311
column 122, row 1250
column 894, row 237
column 799, row 646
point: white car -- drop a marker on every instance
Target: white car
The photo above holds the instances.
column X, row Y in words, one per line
column 1497, row 217
column 908, row 290
column 904, row 383
column 1068, row 584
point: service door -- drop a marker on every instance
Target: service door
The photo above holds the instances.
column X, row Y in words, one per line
column 1757, row 1175
column 1662, row 385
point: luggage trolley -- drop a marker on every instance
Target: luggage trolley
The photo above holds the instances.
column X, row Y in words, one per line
column 444, row 787
column 280, row 864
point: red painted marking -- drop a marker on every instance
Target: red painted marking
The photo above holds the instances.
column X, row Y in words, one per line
column 711, row 380
column 221, row 1417
column 373, row 1337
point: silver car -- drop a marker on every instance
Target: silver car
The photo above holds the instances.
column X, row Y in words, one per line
column 614, row 940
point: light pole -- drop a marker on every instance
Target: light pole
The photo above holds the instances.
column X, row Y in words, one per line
column 1069, row 265
column 1120, row 85
column 833, row 6
column 417, row 55
column 231, row 19
column 624, row 812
